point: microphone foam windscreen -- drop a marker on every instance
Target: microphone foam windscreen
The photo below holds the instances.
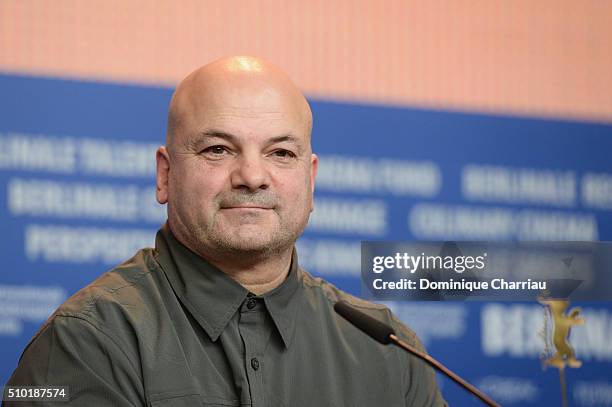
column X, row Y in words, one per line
column 376, row 329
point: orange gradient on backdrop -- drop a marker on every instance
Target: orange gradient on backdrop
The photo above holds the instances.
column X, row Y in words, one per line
column 548, row 58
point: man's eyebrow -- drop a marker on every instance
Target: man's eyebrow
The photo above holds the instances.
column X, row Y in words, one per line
column 283, row 138
column 230, row 137
column 195, row 142
column 217, row 134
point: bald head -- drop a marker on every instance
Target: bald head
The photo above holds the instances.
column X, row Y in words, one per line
column 239, row 85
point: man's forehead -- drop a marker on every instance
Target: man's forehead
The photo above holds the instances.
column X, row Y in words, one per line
column 246, row 98
column 247, row 118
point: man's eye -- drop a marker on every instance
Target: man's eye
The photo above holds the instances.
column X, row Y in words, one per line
column 215, row 150
column 283, row 154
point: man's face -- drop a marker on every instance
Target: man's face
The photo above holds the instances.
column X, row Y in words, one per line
column 240, row 174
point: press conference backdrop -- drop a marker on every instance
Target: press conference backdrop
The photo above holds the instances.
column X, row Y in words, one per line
column 77, row 197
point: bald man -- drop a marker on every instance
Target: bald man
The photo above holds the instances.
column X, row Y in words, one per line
column 219, row 313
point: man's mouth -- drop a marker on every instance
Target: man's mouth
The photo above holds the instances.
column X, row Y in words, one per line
column 247, row 207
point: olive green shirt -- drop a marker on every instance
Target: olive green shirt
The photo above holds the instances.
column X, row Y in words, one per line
column 166, row 328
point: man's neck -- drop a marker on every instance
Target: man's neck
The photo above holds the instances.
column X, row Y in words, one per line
column 259, row 276
column 257, row 272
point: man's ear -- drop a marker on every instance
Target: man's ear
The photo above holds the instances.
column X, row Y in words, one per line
column 163, row 169
column 314, row 166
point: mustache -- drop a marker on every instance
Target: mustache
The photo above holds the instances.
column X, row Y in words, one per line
column 259, row 199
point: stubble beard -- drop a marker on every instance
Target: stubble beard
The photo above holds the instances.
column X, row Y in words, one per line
column 212, row 240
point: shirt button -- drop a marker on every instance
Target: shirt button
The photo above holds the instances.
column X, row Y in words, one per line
column 255, row 363
column 251, row 302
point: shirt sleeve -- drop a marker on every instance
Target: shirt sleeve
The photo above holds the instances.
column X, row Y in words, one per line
column 421, row 387
column 74, row 352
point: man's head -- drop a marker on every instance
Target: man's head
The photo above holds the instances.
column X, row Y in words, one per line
column 237, row 170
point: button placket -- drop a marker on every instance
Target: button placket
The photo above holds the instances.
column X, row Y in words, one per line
column 255, row 332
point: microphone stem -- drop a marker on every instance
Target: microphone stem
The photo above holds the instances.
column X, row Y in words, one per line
column 439, row 366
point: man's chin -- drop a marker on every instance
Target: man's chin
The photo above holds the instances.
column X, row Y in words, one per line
column 250, row 248
column 257, row 241
column 264, row 238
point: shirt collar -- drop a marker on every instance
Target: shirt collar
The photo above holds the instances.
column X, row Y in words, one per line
column 212, row 297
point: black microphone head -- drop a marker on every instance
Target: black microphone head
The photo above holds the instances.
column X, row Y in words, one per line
column 376, row 329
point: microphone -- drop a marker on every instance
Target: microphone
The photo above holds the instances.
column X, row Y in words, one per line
column 383, row 333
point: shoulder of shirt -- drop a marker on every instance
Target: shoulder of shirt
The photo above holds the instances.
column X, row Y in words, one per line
column 332, row 294
column 110, row 303
column 115, row 293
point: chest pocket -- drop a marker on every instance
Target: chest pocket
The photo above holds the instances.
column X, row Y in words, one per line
column 189, row 400
column 179, row 401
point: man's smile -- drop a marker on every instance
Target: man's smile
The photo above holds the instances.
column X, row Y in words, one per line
column 247, row 208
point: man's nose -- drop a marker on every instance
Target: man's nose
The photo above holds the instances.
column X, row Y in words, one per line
column 250, row 172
